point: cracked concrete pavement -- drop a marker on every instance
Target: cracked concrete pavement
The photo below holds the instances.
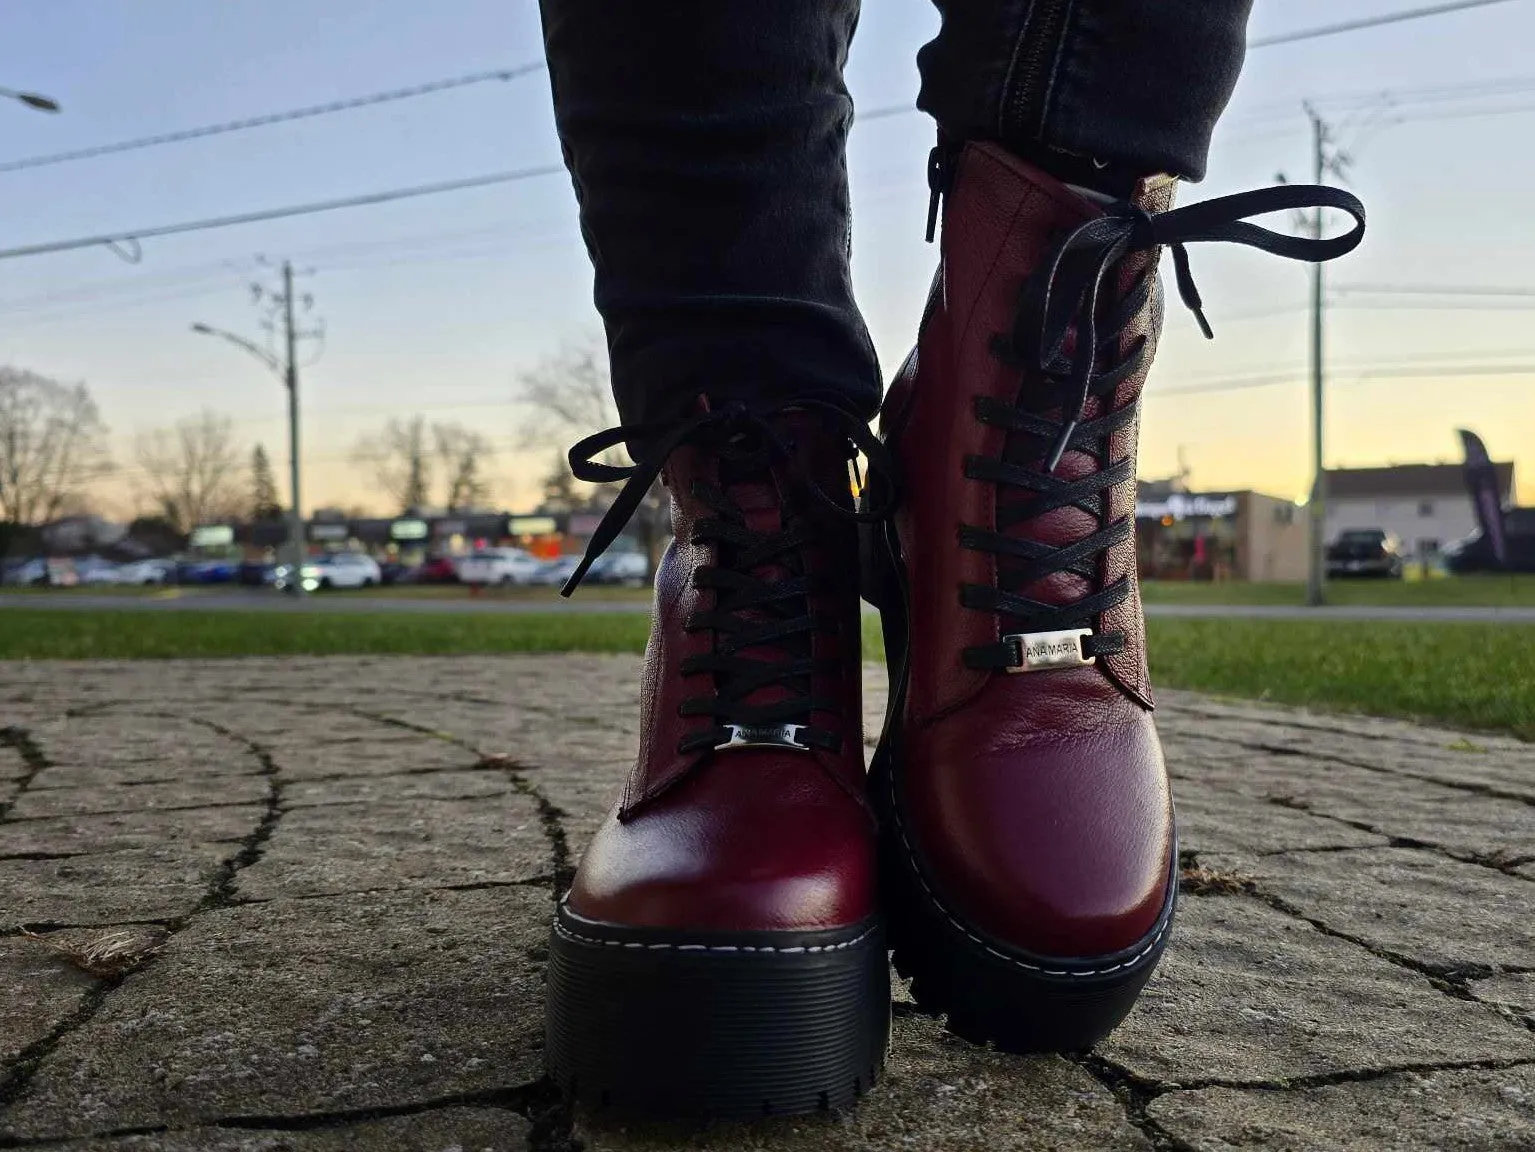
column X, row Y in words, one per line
column 301, row 904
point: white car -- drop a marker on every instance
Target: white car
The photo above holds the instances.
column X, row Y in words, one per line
column 94, row 570
column 145, row 572
column 498, row 566
column 554, row 573
column 333, row 570
column 630, row 569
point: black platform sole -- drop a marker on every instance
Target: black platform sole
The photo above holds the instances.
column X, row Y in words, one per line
column 714, row 1026
column 992, row 993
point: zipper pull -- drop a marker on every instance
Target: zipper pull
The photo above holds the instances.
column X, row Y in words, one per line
column 938, row 177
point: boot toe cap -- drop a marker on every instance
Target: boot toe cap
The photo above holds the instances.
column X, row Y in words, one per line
column 784, row 862
column 1060, row 847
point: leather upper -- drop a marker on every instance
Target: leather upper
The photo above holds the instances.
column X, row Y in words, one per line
column 743, row 839
column 1037, row 804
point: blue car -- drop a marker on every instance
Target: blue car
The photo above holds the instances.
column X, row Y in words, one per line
column 206, row 571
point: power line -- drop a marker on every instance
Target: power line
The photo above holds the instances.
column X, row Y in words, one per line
column 115, row 239
column 133, row 236
column 1433, row 290
column 1370, row 22
column 334, row 106
column 1450, row 371
column 532, row 66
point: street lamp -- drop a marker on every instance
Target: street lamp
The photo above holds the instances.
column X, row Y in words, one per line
column 31, row 100
column 254, row 349
column 288, row 374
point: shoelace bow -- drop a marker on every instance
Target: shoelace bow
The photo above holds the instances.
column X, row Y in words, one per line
column 751, row 610
column 1066, row 337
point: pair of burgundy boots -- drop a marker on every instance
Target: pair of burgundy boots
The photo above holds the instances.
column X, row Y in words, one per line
column 722, row 951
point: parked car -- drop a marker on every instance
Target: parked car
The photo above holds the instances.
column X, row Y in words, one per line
column 333, row 570
column 1365, row 552
column 206, row 571
column 498, row 566
column 95, row 570
column 631, row 569
column 393, row 572
column 434, row 570
column 141, row 572
column 25, row 573
column 555, row 572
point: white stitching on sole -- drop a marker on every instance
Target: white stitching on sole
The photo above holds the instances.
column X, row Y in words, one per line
column 911, row 854
column 561, row 930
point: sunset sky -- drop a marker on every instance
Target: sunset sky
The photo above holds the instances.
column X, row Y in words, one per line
column 433, row 306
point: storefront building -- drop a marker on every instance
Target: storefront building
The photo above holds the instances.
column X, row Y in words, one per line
column 1218, row 535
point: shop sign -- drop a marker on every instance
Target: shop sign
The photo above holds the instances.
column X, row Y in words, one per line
column 1182, row 505
column 530, row 525
column 212, row 536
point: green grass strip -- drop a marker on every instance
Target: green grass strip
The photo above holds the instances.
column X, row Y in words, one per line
column 1465, row 675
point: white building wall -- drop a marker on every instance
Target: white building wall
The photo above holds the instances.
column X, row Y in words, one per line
column 1423, row 524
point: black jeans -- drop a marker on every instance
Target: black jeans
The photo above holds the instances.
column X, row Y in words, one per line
column 706, row 143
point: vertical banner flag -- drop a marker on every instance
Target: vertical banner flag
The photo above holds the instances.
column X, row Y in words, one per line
column 1482, row 482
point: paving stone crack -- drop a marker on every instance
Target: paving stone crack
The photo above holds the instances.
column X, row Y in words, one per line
column 37, row 927
column 1452, row 982
column 1470, row 787
column 1155, row 1088
column 33, row 761
column 219, row 894
column 1489, row 860
column 125, row 811
column 1133, row 1096
column 550, row 815
column 538, row 1102
column 541, row 881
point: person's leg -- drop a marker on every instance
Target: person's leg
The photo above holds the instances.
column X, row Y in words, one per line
column 1029, row 853
column 706, row 143
column 720, row 952
column 1094, row 91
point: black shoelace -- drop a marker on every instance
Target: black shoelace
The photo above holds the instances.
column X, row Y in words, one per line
column 762, row 591
column 1065, row 340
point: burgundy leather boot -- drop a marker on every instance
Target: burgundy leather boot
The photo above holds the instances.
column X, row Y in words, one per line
column 1028, row 845
column 720, row 952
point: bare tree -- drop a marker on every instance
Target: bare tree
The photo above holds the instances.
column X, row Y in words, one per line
column 192, row 470
column 569, row 395
column 461, row 456
column 52, row 444
column 398, row 458
column 265, row 504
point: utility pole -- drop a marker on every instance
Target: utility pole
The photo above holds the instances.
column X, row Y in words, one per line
column 1316, row 506
column 279, row 306
column 290, row 378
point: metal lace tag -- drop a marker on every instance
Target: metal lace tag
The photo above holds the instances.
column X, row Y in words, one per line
column 764, row 736
column 1047, row 651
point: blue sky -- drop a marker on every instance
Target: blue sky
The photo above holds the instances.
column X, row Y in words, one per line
column 435, row 305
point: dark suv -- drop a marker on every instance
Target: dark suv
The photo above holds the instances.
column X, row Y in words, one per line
column 1365, row 552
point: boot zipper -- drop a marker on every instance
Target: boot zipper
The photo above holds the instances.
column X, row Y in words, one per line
column 1029, row 85
column 940, row 174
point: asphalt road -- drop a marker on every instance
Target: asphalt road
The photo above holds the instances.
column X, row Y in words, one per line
column 255, row 600
column 261, row 601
